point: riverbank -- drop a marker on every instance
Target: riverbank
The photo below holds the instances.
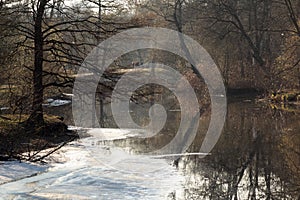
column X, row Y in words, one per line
column 292, row 96
column 284, row 100
column 288, row 100
column 16, row 138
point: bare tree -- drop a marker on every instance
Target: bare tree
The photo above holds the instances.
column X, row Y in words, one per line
column 293, row 11
column 59, row 36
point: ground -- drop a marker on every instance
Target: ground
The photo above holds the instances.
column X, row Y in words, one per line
column 16, row 137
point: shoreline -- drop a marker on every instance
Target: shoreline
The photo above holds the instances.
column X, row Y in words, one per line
column 16, row 139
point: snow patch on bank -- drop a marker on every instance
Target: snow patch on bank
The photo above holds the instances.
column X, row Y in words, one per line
column 57, row 102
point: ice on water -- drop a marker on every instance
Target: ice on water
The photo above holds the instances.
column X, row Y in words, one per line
column 89, row 173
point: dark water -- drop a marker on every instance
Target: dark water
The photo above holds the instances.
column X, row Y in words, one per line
column 256, row 157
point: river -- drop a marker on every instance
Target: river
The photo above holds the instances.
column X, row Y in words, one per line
column 256, row 157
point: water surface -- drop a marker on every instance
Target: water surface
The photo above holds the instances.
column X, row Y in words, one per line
column 256, row 157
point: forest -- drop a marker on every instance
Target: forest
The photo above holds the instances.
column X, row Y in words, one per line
column 254, row 43
column 253, row 149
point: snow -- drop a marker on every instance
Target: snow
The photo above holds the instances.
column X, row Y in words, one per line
column 113, row 134
column 68, row 95
column 50, row 100
column 4, row 108
column 16, row 170
column 83, row 170
column 57, row 102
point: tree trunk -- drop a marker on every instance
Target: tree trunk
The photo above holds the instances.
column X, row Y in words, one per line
column 36, row 116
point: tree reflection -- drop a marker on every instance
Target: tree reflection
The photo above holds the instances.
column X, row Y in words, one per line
column 252, row 160
column 256, row 157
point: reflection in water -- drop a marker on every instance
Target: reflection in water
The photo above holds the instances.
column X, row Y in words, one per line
column 257, row 156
